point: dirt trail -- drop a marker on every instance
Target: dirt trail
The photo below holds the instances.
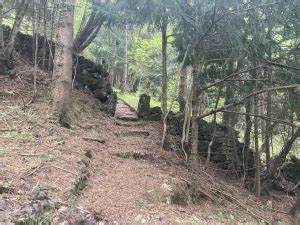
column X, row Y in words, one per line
column 124, row 112
column 128, row 183
column 132, row 177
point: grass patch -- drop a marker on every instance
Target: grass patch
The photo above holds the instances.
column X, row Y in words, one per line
column 134, row 155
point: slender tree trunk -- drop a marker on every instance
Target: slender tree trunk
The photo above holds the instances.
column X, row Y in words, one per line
column 257, row 153
column 45, row 34
column 247, row 138
column 50, row 56
column 35, row 63
column 164, row 78
column 34, row 13
column 88, row 33
column 16, row 27
column 63, row 67
column 182, row 88
column 268, row 127
column 1, row 25
column 214, row 122
column 195, row 108
column 125, row 73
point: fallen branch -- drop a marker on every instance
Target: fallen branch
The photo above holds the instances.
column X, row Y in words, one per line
column 94, row 139
column 32, row 155
column 67, row 171
column 34, row 169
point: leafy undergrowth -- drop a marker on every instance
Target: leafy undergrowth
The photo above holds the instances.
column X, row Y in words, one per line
column 130, row 179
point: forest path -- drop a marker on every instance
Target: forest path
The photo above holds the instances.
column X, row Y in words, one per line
column 132, row 177
column 124, row 112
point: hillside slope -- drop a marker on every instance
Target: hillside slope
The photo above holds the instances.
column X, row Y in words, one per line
column 124, row 176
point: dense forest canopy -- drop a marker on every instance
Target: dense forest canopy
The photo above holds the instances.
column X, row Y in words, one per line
column 233, row 62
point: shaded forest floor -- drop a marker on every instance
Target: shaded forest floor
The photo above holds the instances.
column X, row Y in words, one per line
column 132, row 179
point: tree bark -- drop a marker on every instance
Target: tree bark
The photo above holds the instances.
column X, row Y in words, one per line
column 63, row 67
column 45, row 34
column 164, row 84
column 90, row 30
column 256, row 153
column 50, row 57
column 182, row 88
column 195, row 108
column 268, row 127
column 16, row 27
column 247, row 137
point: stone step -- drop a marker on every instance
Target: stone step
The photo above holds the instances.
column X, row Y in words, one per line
column 124, row 112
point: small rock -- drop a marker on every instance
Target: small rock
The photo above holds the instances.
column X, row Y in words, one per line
column 63, row 209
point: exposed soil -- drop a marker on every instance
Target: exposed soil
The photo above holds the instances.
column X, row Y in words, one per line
column 133, row 180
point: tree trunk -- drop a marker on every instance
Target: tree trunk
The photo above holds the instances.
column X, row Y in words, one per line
column 125, row 73
column 164, row 80
column 195, row 108
column 62, row 75
column 45, row 34
column 182, row 88
column 1, row 25
column 247, row 138
column 279, row 159
column 50, row 56
column 90, row 30
column 257, row 154
column 16, row 27
column 268, row 127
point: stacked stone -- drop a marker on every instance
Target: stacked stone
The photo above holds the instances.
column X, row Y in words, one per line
column 144, row 110
column 89, row 75
column 225, row 140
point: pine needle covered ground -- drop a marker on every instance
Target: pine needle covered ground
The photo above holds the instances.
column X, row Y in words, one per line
column 129, row 179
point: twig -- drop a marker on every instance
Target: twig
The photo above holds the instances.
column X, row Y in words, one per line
column 67, row 171
column 31, row 155
column 94, row 139
column 33, row 169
